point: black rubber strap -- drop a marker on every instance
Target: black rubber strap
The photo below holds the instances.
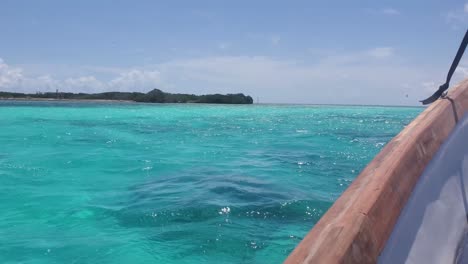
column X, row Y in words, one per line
column 455, row 62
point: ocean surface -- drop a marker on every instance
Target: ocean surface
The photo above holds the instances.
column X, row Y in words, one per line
column 145, row 183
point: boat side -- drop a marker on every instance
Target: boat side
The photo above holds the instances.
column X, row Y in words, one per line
column 357, row 226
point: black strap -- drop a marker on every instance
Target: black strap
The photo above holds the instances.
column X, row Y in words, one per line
column 455, row 62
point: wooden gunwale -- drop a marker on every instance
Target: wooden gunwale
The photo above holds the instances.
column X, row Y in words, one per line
column 357, row 226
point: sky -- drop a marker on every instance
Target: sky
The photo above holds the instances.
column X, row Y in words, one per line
column 315, row 52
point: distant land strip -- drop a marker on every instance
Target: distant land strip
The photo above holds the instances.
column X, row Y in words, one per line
column 153, row 96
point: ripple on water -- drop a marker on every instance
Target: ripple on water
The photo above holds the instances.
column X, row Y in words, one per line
column 176, row 200
column 176, row 183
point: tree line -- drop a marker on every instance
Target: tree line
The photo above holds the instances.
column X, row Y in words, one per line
column 153, row 96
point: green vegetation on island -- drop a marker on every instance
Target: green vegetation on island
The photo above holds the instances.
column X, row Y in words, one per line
column 153, row 96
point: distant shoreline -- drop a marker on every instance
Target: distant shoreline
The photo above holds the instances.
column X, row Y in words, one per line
column 65, row 100
column 153, row 96
column 25, row 99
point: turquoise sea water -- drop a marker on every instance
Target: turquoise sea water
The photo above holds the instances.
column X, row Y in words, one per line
column 137, row 183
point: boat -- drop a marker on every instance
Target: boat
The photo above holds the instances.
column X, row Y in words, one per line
column 409, row 205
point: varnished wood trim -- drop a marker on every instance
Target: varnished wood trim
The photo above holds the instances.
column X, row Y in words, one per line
column 357, row 226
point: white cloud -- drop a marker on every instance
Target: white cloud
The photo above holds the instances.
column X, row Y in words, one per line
column 9, row 76
column 390, row 11
column 458, row 19
column 367, row 56
column 14, row 79
column 463, row 71
column 460, row 74
column 136, row 80
column 223, row 45
column 347, row 78
column 275, row 40
column 41, row 83
column 373, row 76
column 87, row 84
column 429, row 86
column 383, row 11
column 382, row 52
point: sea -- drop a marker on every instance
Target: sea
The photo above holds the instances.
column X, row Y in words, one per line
column 84, row 182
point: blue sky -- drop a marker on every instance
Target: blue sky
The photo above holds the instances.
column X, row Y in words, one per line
column 352, row 52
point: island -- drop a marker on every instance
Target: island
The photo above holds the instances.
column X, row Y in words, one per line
column 153, row 96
